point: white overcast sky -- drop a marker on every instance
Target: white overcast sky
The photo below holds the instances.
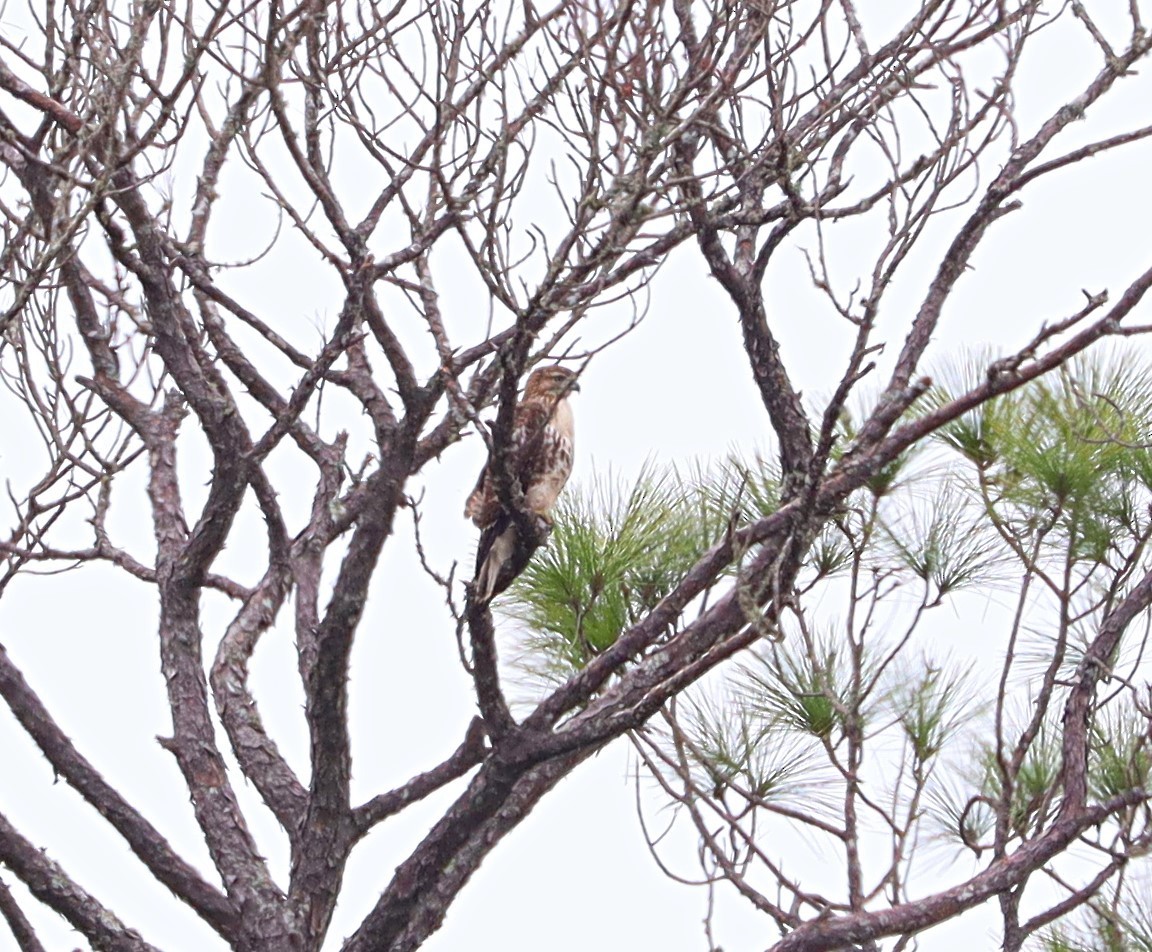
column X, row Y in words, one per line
column 576, row 874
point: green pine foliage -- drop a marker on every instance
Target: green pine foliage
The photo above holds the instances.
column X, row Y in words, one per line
column 1036, row 508
column 617, row 550
column 1034, row 786
column 731, row 745
column 1069, row 452
column 1118, row 922
column 944, row 542
column 801, row 691
column 931, row 702
column 1121, row 753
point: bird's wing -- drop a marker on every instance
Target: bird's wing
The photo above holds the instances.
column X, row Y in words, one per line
column 483, row 506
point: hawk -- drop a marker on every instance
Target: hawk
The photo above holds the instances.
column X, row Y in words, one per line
column 541, row 458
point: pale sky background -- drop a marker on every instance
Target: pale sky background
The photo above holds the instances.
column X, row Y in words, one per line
column 576, row 874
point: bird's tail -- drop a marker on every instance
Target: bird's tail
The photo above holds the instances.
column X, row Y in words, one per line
column 494, row 557
column 503, row 553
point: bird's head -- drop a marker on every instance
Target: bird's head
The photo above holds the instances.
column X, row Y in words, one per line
column 553, row 383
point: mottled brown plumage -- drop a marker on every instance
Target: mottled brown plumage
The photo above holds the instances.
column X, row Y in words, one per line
column 541, row 458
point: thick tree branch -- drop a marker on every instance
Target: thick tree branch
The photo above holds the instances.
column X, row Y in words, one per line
column 144, row 839
column 468, row 755
column 18, row 923
column 49, row 883
column 909, row 918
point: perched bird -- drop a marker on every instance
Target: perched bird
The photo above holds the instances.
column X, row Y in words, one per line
column 541, row 458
